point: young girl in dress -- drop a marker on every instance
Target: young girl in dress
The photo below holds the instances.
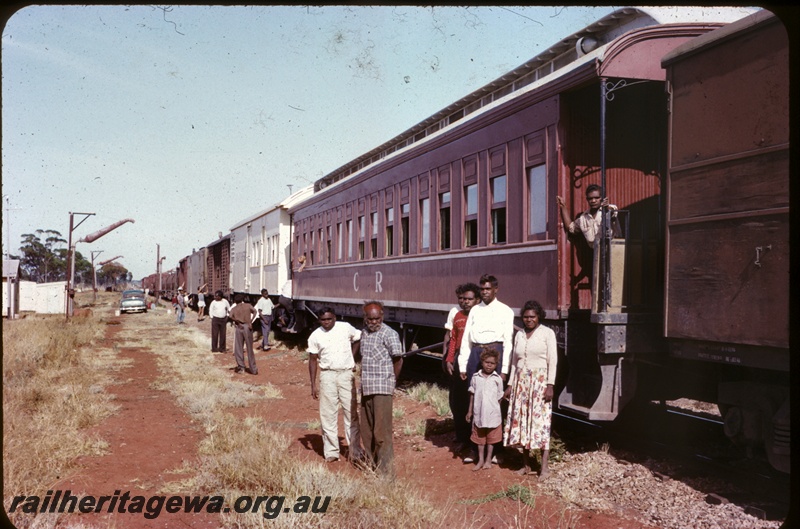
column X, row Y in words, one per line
column 530, row 386
column 485, row 394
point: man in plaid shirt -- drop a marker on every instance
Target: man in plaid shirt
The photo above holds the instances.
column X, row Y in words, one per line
column 381, row 361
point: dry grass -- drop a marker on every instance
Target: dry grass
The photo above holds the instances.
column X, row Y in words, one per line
column 250, row 457
column 53, row 389
column 437, row 397
column 527, row 515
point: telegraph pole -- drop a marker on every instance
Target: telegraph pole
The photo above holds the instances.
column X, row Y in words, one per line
column 94, row 274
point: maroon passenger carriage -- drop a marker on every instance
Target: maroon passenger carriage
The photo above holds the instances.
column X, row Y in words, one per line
column 472, row 190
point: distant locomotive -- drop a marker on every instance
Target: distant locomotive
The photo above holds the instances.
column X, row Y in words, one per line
column 684, row 124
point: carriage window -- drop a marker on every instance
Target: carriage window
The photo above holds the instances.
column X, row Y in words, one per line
column 340, row 240
column 311, row 246
column 537, row 200
column 498, row 209
column 425, row 222
column 349, row 239
column 373, row 218
column 263, row 256
column 471, row 217
column 361, row 232
column 389, row 231
column 405, row 209
column 444, row 221
column 328, row 245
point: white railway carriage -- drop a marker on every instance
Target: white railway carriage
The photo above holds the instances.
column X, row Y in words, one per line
column 260, row 248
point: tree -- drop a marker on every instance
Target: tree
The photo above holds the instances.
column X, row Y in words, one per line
column 41, row 261
column 111, row 273
column 83, row 269
column 44, row 261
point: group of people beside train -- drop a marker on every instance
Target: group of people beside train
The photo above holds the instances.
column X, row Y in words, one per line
column 242, row 315
column 487, row 364
column 501, row 377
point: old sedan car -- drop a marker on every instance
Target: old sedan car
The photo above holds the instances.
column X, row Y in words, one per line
column 133, row 301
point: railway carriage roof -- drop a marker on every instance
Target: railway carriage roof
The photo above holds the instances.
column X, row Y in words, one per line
column 722, row 34
column 216, row 242
column 286, row 203
column 559, row 59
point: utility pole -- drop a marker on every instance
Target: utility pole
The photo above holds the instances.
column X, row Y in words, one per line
column 159, row 260
column 94, row 274
column 71, row 260
column 103, row 263
column 12, row 280
column 71, row 252
column 158, row 271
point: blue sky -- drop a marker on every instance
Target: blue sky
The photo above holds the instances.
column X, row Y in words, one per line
column 190, row 118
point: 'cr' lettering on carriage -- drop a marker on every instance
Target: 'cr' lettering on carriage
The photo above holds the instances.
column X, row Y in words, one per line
column 378, row 281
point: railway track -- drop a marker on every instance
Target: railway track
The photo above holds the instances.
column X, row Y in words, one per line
column 674, row 443
column 682, row 445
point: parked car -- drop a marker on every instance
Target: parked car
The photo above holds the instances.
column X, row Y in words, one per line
column 133, row 301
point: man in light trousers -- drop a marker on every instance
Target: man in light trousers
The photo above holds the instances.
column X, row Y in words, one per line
column 331, row 349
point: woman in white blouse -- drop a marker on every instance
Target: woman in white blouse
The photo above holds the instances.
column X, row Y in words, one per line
column 530, row 387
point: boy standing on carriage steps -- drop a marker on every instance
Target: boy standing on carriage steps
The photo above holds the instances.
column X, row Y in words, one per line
column 588, row 222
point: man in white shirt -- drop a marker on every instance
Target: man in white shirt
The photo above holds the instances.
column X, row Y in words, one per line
column 491, row 322
column 331, row 351
column 219, row 309
column 264, row 309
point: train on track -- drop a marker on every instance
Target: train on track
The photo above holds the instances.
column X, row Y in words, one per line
column 684, row 123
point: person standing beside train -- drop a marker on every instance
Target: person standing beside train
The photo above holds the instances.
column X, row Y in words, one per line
column 264, row 308
column 201, row 302
column 381, row 361
column 219, row 309
column 530, row 388
column 468, row 296
column 589, row 222
column 243, row 314
column 331, row 352
column 491, row 322
column 180, row 306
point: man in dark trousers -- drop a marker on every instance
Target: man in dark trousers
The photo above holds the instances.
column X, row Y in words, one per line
column 219, row 310
column 381, row 361
column 468, row 296
column 243, row 314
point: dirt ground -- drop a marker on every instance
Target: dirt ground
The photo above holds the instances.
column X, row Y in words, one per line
column 151, row 433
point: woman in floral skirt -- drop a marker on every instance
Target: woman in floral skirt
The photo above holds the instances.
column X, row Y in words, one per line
column 530, row 388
